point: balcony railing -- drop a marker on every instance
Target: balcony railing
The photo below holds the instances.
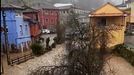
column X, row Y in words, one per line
column 111, row 27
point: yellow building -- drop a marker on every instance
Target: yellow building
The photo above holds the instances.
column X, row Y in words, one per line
column 109, row 16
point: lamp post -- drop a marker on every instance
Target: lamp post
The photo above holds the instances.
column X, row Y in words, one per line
column 6, row 37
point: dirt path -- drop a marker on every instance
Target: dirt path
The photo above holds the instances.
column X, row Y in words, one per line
column 118, row 66
column 51, row 58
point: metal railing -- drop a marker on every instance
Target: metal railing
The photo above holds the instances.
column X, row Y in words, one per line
column 111, row 27
column 21, row 59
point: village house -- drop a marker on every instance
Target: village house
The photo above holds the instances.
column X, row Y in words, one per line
column 33, row 21
column 48, row 15
column 110, row 17
column 48, row 18
column 18, row 29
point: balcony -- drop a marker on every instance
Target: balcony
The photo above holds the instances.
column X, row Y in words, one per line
column 111, row 26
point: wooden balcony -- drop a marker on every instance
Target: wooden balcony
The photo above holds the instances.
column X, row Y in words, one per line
column 111, row 27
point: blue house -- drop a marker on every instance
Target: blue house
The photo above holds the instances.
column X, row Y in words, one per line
column 18, row 28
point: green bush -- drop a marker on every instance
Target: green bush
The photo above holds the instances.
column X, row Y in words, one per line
column 125, row 53
column 37, row 49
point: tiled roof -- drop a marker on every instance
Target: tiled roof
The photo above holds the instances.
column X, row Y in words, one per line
column 10, row 6
column 13, row 2
column 107, row 10
column 29, row 9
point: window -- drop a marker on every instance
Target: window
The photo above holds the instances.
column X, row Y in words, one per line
column 26, row 29
column 132, row 26
column 103, row 22
column 46, row 12
column 46, row 20
column 51, row 12
column 18, row 13
column 64, row 12
column 21, row 30
column 52, row 20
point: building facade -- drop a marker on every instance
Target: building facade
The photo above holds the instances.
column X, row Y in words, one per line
column 33, row 22
column 18, row 33
column 113, row 19
column 48, row 18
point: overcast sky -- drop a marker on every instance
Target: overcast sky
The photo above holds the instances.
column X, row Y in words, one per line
column 85, row 4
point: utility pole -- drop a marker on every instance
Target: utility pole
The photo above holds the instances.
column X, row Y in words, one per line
column 6, row 37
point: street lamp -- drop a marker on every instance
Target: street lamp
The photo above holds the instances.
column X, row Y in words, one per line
column 6, row 37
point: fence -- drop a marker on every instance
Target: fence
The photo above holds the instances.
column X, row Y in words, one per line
column 21, row 59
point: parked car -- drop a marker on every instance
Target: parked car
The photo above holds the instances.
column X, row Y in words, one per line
column 47, row 31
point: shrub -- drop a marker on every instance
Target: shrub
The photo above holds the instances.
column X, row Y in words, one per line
column 37, row 49
column 125, row 53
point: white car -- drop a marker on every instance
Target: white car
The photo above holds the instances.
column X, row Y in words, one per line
column 45, row 31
